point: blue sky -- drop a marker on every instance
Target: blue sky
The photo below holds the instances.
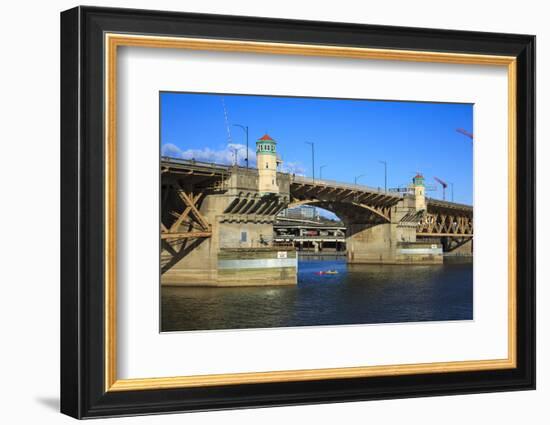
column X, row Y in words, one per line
column 350, row 136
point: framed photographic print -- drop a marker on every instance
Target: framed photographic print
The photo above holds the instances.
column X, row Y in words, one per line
column 261, row 212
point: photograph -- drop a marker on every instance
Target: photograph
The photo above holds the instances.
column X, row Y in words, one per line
column 280, row 211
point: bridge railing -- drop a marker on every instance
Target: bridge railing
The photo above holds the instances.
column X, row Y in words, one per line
column 351, row 186
column 203, row 164
column 294, row 178
column 450, row 204
column 309, row 180
column 181, row 161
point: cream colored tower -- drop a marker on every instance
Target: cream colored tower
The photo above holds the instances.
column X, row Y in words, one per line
column 419, row 192
column 266, row 161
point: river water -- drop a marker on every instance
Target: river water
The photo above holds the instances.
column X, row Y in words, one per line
column 358, row 294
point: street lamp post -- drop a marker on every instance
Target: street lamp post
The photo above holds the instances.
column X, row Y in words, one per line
column 358, row 177
column 385, row 175
column 321, row 171
column 236, row 156
column 245, row 129
column 312, row 159
column 355, row 182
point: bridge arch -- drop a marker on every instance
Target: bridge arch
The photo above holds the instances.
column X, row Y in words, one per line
column 349, row 211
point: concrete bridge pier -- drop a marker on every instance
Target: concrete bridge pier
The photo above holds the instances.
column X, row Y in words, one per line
column 393, row 241
column 235, row 246
column 368, row 243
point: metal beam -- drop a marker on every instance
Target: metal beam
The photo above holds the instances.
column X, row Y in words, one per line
column 182, row 235
column 189, row 202
column 373, row 210
column 185, row 212
column 461, row 235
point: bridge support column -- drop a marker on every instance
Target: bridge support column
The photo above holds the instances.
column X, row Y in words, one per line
column 458, row 247
column 389, row 244
column 394, row 242
column 367, row 243
column 239, row 252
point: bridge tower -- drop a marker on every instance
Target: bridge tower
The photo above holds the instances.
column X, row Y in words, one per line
column 266, row 160
column 419, row 192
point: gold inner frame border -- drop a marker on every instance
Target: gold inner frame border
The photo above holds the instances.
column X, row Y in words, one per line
column 112, row 41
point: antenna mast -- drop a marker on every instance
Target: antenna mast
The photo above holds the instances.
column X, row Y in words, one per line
column 226, row 117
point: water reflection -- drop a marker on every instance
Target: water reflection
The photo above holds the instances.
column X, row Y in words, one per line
column 357, row 294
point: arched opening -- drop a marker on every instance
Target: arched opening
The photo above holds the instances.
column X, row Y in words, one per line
column 311, row 228
column 321, row 228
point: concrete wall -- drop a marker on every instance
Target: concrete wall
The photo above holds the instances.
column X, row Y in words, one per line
column 368, row 243
column 389, row 244
column 418, row 252
column 237, row 267
column 244, row 235
column 199, row 264
column 384, row 243
column 242, row 180
column 465, row 250
column 257, row 267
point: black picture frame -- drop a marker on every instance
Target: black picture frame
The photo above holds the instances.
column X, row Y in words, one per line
column 83, row 392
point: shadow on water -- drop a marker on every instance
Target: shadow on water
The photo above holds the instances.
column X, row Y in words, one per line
column 356, row 294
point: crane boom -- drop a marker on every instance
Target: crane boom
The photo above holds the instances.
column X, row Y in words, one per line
column 465, row 133
column 443, row 185
column 441, row 182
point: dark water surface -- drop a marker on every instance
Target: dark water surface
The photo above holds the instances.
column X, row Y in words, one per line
column 358, row 294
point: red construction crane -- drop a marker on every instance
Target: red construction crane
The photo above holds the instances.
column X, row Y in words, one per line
column 443, row 185
column 465, row 133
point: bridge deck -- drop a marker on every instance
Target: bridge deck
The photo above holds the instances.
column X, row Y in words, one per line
column 192, row 167
column 186, row 166
column 359, row 188
column 438, row 203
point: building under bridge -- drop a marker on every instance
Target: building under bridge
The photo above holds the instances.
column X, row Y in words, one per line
column 310, row 235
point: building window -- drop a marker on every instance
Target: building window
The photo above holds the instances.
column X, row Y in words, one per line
column 266, row 165
column 243, row 236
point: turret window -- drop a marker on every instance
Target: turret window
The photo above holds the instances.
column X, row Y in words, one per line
column 266, row 165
